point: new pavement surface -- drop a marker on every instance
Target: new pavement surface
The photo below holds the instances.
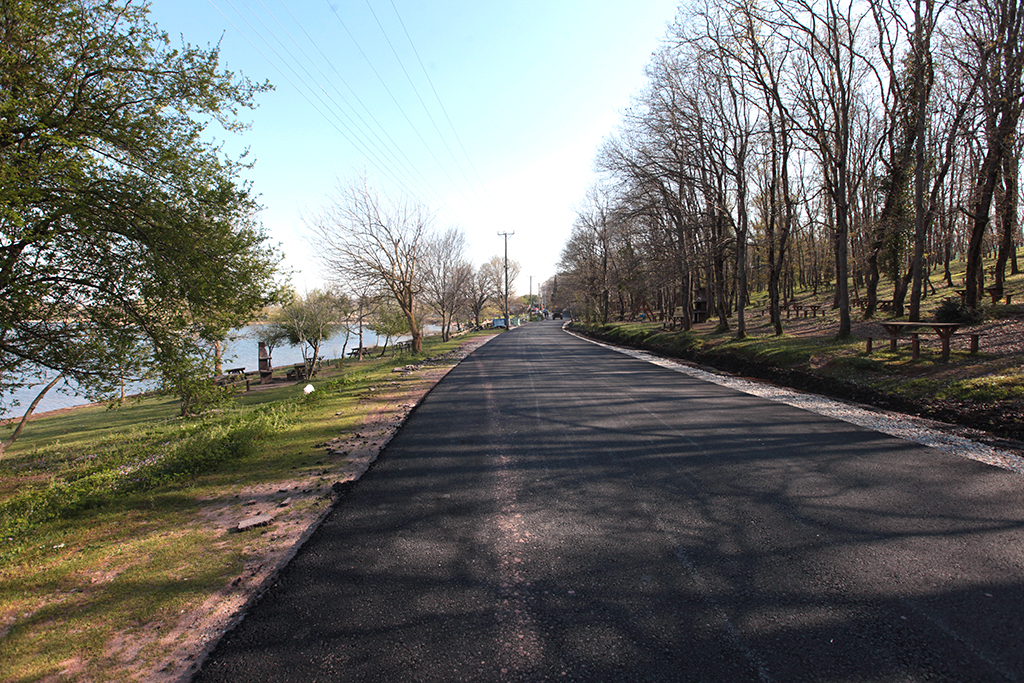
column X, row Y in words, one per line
column 557, row 511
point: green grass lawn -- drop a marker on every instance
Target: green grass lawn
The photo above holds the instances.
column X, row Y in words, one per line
column 106, row 535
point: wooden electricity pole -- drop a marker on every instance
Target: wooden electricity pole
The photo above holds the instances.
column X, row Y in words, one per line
column 506, row 236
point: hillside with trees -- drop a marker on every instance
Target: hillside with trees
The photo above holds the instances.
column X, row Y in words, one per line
column 828, row 146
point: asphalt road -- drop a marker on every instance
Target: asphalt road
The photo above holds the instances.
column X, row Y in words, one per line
column 555, row 510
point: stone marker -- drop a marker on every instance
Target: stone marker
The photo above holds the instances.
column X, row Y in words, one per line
column 258, row 520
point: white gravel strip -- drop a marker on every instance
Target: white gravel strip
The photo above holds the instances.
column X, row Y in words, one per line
column 906, row 427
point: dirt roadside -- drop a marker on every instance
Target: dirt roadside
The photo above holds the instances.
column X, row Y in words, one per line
column 295, row 508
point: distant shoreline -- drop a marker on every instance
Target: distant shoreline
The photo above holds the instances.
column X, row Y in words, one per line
column 48, row 413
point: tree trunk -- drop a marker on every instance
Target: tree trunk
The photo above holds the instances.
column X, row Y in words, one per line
column 218, row 352
column 417, row 340
column 1008, row 218
column 741, row 252
column 28, row 413
column 982, row 207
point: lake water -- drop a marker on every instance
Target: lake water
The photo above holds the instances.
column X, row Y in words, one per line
column 241, row 350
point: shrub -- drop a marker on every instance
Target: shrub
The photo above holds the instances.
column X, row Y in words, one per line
column 130, row 463
column 953, row 311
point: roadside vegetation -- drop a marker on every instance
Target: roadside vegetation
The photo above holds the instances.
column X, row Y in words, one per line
column 117, row 524
column 983, row 390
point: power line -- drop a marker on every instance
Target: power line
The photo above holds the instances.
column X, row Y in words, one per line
column 439, row 102
column 418, row 96
column 352, row 137
column 395, row 100
column 394, row 149
column 364, row 132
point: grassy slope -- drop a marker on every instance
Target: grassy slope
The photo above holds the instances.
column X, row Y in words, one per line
column 83, row 577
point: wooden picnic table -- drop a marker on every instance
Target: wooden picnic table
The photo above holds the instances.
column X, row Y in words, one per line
column 944, row 331
column 806, row 309
column 298, row 372
column 996, row 293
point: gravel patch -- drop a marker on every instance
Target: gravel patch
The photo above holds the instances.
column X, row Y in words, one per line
column 907, row 427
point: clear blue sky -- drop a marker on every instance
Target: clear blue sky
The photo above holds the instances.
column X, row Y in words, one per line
column 520, row 95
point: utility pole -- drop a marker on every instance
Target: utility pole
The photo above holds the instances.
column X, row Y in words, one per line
column 506, row 236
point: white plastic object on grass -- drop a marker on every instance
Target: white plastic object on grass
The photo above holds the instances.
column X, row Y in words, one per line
column 308, row 389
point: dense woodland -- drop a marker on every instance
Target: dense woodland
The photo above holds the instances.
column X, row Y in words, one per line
column 789, row 144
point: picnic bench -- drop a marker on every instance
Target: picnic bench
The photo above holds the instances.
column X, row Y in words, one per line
column 944, row 331
column 806, row 309
column 231, row 377
column 297, row 372
column 676, row 318
column 997, row 293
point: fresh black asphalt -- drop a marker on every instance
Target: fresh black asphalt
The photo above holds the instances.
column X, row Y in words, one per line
column 554, row 510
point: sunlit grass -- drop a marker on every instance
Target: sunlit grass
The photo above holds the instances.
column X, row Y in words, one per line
column 1005, row 385
column 93, row 570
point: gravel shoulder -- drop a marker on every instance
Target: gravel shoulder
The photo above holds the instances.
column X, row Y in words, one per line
column 962, row 441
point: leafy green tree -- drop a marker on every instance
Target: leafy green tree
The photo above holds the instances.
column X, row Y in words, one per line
column 115, row 214
column 389, row 322
column 272, row 336
column 308, row 321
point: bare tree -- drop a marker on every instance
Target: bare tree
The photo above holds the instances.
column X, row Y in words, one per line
column 827, row 88
column 479, row 293
column 845, row 129
column 720, row 32
column 365, row 238
column 992, row 30
column 364, row 303
column 447, row 276
column 492, row 275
